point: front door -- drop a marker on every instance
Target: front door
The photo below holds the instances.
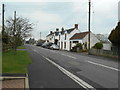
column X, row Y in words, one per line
column 70, row 45
column 61, row 45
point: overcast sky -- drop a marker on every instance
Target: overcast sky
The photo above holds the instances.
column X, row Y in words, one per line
column 47, row 16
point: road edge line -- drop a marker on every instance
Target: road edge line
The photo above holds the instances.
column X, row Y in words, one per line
column 71, row 75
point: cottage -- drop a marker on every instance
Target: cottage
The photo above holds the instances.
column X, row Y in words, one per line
column 62, row 38
column 82, row 38
column 67, row 38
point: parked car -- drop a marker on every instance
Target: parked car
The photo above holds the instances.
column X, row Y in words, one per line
column 39, row 44
column 47, row 45
column 54, row 47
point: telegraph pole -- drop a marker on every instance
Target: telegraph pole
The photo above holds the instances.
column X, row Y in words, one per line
column 40, row 35
column 89, row 26
column 3, row 10
column 14, row 23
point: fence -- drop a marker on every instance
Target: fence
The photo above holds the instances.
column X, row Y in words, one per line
column 113, row 54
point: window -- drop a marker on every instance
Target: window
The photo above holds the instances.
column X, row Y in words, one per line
column 75, row 41
column 59, row 44
column 64, row 44
column 59, row 37
column 65, row 36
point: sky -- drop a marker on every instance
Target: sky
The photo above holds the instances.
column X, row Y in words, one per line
column 48, row 15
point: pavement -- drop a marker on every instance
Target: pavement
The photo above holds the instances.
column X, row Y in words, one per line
column 53, row 69
column 14, row 81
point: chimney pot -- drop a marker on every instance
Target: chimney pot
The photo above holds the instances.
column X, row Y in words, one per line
column 76, row 26
column 62, row 29
column 57, row 29
column 51, row 32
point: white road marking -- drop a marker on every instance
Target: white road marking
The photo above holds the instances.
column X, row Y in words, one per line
column 72, row 76
column 69, row 56
column 103, row 66
column 64, row 54
column 34, row 50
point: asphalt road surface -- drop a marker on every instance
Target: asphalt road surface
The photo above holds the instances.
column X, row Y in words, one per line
column 62, row 69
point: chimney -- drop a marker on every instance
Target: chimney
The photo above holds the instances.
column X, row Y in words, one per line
column 57, row 29
column 62, row 29
column 76, row 26
column 51, row 32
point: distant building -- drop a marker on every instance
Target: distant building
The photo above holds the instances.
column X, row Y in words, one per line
column 104, row 39
column 31, row 41
column 119, row 11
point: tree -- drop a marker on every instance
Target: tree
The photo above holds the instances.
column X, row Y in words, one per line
column 77, row 47
column 17, row 30
column 98, row 45
column 114, row 36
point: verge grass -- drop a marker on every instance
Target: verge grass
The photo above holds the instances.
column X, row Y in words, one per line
column 15, row 63
column 21, row 47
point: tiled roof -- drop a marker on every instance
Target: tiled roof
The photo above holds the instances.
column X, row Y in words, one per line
column 56, row 33
column 70, row 30
column 62, row 32
column 48, row 35
column 79, row 35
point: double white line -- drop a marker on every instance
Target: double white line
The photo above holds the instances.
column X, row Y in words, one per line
column 72, row 76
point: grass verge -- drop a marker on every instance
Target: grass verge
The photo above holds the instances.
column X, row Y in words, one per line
column 15, row 63
column 21, row 47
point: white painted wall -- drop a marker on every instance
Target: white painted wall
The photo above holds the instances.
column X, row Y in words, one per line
column 106, row 46
column 93, row 40
column 68, row 36
column 49, row 38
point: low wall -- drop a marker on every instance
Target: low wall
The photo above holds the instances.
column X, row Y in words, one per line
column 107, row 53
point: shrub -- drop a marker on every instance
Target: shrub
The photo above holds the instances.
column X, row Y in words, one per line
column 77, row 47
column 98, row 45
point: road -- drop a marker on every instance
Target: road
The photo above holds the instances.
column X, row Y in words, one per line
column 62, row 69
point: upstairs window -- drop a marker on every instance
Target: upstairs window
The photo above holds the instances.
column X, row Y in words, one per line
column 59, row 37
column 65, row 36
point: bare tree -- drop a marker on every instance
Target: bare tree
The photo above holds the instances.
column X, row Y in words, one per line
column 18, row 29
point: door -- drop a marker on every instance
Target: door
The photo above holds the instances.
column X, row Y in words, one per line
column 70, row 45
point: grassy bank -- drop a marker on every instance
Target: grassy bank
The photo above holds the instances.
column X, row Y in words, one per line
column 15, row 63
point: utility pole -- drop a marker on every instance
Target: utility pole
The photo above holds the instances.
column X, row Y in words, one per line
column 40, row 35
column 3, row 27
column 14, row 23
column 89, row 26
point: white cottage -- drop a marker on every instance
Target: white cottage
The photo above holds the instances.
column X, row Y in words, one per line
column 82, row 38
column 62, row 38
column 66, row 39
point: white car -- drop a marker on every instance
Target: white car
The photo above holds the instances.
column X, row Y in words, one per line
column 54, row 47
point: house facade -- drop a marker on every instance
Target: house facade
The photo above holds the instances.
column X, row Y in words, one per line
column 67, row 38
column 62, row 37
column 82, row 38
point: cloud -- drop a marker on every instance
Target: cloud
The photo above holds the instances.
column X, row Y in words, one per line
column 50, row 15
column 43, row 17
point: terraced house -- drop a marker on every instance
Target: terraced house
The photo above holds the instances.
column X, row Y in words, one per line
column 67, row 38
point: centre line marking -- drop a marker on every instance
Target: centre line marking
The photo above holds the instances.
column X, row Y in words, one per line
column 72, row 76
column 69, row 56
column 72, row 57
column 103, row 66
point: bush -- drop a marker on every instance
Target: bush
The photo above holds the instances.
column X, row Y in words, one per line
column 77, row 47
column 98, row 45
